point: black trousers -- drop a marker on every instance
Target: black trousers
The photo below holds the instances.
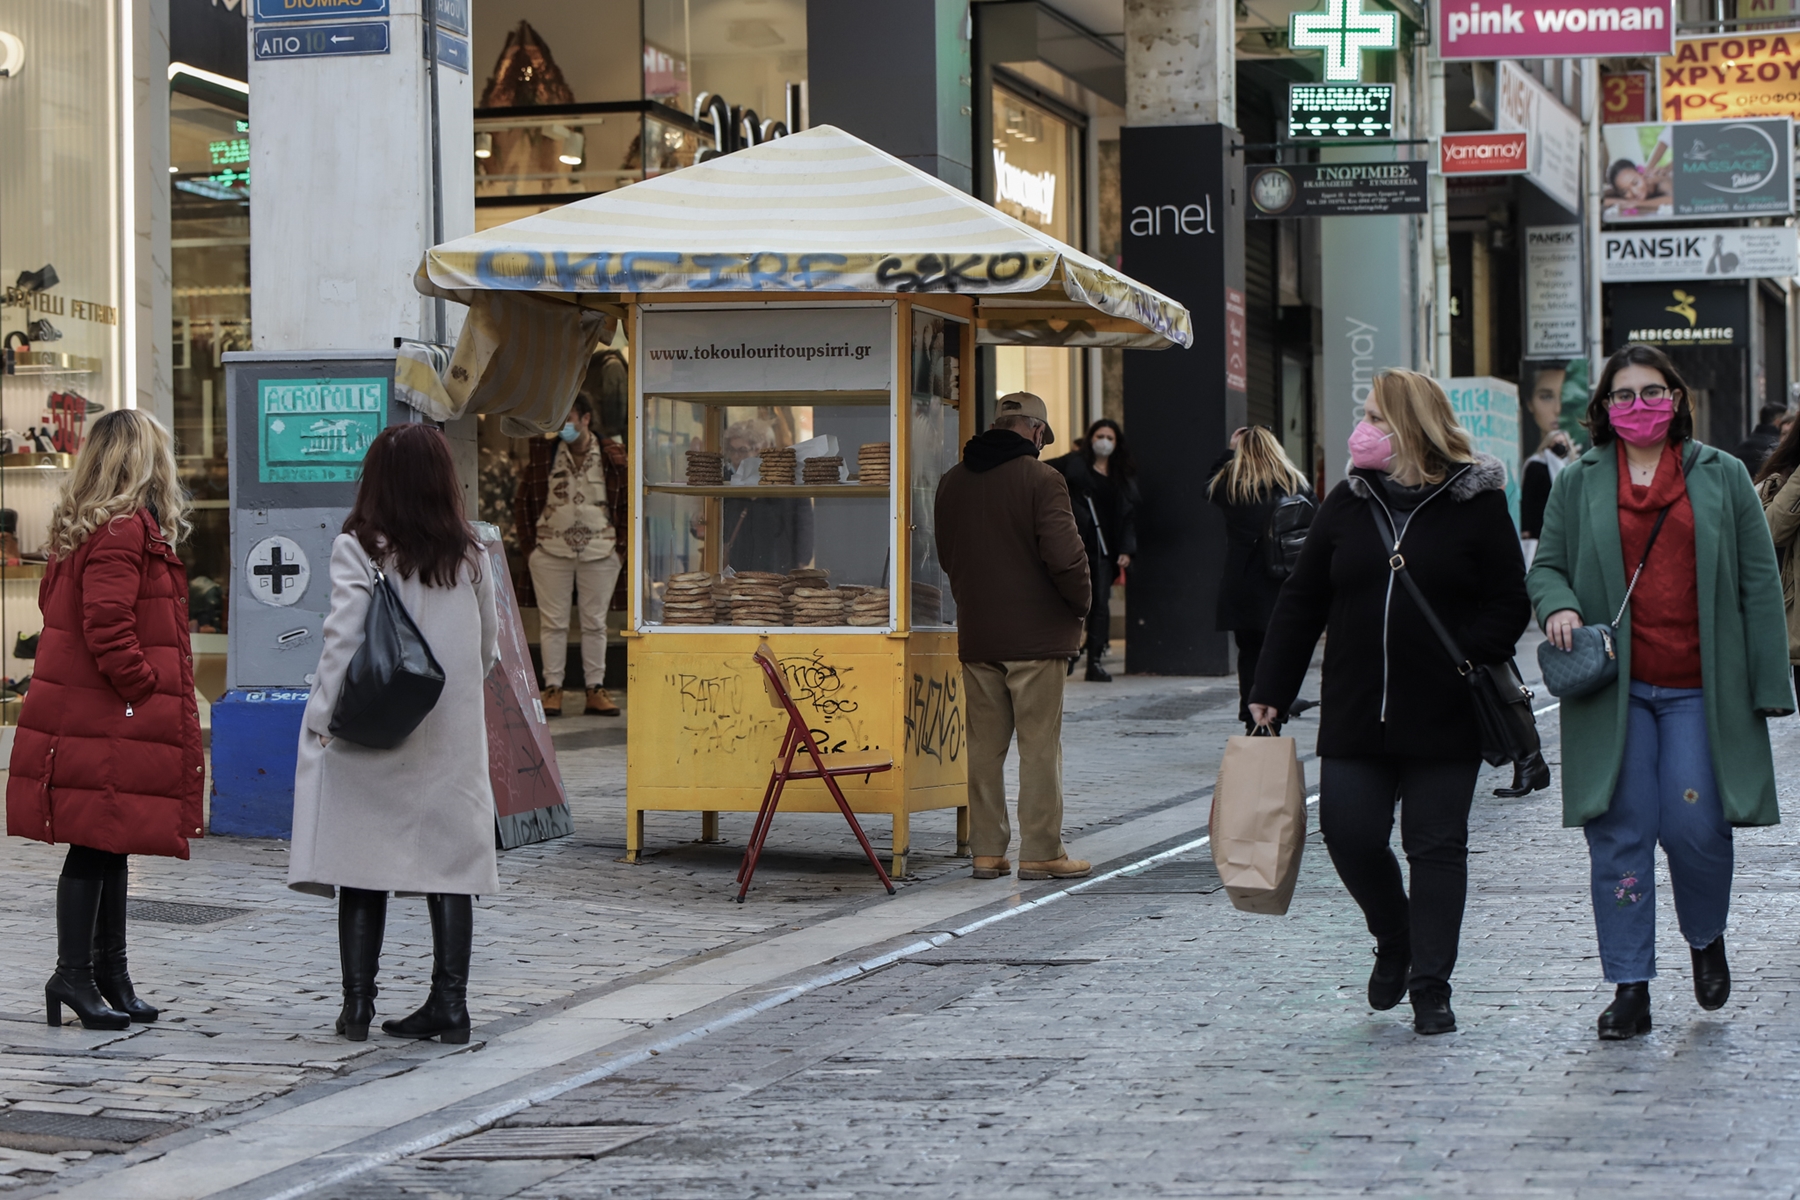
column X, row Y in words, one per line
column 1357, row 797
column 84, row 862
column 1249, row 648
column 1105, row 569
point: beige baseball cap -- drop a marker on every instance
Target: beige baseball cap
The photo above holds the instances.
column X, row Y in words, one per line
column 1024, row 404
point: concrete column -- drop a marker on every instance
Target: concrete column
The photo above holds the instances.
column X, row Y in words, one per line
column 1177, row 156
column 1180, row 62
column 897, row 75
column 340, row 155
column 152, row 335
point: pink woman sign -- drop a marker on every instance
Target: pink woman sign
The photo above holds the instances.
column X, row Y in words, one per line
column 1486, row 29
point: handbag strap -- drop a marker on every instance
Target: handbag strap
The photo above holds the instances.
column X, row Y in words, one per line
column 1397, row 564
column 1682, row 465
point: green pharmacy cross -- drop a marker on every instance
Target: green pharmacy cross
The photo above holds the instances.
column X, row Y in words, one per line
column 1343, row 31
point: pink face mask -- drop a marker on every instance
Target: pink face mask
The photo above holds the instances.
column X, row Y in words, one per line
column 1370, row 448
column 1642, row 422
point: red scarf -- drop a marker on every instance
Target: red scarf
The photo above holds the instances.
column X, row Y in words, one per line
column 1665, row 608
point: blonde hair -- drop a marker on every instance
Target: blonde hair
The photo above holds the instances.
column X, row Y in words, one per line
column 127, row 463
column 1427, row 437
column 1259, row 468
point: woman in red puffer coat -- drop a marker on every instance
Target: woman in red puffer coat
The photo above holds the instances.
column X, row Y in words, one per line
column 107, row 757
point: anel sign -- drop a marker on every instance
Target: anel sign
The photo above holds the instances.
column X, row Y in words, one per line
column 1483, row 29
column 1484, row 153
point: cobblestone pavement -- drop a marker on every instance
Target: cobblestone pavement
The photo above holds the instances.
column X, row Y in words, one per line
column 249, row 993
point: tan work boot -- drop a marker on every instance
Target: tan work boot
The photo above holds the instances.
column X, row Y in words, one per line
column 1063, row 868
column 552, row 698
column 991, row 866
column 599, row 702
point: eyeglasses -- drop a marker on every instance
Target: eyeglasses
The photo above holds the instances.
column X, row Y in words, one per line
column 1653, row 393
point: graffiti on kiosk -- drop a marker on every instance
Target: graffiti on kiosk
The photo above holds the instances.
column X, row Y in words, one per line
column 716, row 716
column 706, row 696
column 640, row 271
column 934, row 720
column 813, row 681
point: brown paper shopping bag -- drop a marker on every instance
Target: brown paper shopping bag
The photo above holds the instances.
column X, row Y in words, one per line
column 1259, row 822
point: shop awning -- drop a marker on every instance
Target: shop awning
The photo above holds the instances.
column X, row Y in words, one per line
column 814, row 213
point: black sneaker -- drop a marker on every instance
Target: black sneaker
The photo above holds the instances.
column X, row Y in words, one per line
column 1431, row 1013
column 1387, row 982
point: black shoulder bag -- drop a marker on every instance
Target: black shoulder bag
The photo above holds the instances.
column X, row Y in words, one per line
column 1501, row 699
column 393, row 681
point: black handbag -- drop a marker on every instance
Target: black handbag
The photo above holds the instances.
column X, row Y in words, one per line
column 393, row 681
column 1501, row 699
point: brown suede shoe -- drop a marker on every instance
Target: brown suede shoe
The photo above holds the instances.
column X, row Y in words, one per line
column 599, row 702
column 991, row 866
column 552, row 698
column 1063, row 868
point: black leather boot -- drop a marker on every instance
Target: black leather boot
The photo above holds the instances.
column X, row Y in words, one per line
column 1387, row 982
column 445, row 1013
column 1629, row 1013
column 1431, row 1013
column 1529, row 775
column 110, row 972
column 362, row 920
column 1095, row 672
column 1712, row 975
column 77, row 909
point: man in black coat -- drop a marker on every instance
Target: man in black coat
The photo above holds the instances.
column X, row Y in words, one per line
column 1756, row 448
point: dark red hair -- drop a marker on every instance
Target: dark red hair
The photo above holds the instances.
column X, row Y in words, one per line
column 409, row 499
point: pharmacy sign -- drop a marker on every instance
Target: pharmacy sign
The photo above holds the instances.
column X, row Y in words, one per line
column 1343, row 31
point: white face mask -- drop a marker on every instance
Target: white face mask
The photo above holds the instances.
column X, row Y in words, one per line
column 1103, row 447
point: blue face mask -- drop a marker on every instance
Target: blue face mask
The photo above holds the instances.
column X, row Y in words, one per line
column 569, row 433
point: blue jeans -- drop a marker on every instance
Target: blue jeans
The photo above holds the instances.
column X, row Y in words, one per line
column 1665, row 793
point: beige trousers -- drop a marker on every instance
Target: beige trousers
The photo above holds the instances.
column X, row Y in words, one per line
column 1001, row 698
column 553, row 579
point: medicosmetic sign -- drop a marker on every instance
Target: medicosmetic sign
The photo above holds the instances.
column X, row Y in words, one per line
column 1697, row 169
column 1484, row 29
column 841, row 348
column 1335, row 190
column 1740, row 76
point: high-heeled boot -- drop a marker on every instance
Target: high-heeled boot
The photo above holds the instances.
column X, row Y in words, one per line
column 362, row 920
column 77, row 908
column 111, row 974
column 445, row 1013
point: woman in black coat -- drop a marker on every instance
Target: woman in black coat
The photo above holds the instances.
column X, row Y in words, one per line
column 1397, row 724
column 1247, row 482
column 1105, row 501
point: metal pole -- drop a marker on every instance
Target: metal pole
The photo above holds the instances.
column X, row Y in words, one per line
column 1590, row 174
column 1440, row 228
column 440, row 331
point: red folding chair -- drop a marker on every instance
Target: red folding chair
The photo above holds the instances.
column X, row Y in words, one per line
column 798, row 735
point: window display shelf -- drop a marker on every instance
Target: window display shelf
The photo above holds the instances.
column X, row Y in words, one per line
column 36, row 462
column 24, row 570
column 51, row 362
column 800, row 399
column 769, row 491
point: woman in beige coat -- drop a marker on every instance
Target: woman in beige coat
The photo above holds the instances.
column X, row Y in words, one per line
column 1778, row 483
column 418, row 818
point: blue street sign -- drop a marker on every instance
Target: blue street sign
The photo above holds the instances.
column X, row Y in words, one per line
column 453, row 52
column 324, row 10
column 322, row 41
column 451, row 14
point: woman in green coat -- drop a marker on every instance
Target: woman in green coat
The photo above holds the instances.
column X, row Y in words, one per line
column 1677, row 749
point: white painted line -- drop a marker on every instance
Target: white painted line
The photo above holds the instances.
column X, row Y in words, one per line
column 1538, row 712
column 499, row 1112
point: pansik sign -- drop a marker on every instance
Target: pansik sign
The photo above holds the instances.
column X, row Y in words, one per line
column 1697, row 169
column 841, row 348
column 1685, row 314
column 1340, row 110
column 1336, row 190
column 1553, row 327
column 1700, row 254
column 1482, row 29
column 1526, row 106
column 1484, row 153
column 1739, row 76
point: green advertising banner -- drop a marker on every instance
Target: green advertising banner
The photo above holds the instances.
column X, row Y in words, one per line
column 1692, row 170
column 317, row 430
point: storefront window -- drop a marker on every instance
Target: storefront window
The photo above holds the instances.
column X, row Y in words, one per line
column 1036, row 178
column 209, row 152
column 746, row 53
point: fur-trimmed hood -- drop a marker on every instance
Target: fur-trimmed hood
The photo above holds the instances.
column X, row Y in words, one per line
column 1485, row 474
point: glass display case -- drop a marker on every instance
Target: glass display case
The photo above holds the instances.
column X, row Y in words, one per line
column 786, row 458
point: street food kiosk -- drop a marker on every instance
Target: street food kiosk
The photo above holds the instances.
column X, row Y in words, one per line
column 802, row 319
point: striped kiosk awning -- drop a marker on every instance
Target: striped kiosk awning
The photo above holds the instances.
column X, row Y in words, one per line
column 815, row 213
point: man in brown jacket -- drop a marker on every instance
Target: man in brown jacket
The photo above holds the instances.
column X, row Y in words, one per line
column 1006, row 537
